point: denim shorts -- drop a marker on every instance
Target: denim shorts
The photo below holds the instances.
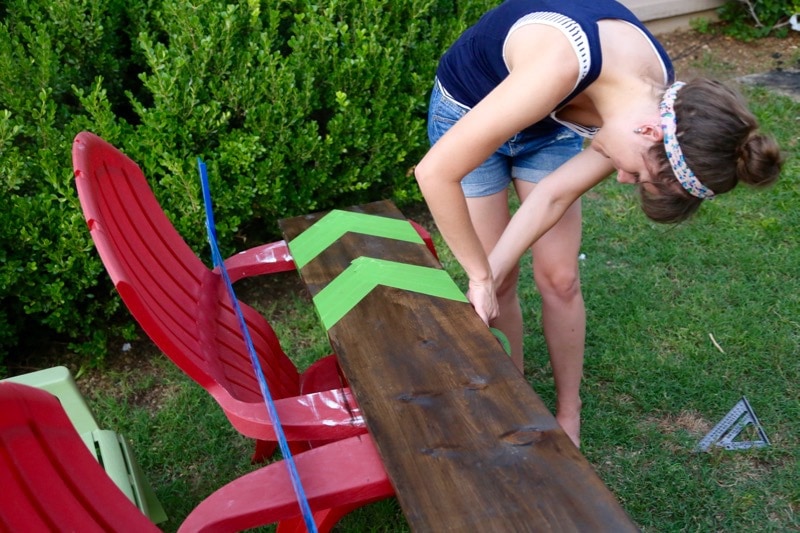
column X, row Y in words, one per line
column 526, row 156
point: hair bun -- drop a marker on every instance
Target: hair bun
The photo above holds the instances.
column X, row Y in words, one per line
column 760, row 160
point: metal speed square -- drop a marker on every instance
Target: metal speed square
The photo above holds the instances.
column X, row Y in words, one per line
column 726, row 431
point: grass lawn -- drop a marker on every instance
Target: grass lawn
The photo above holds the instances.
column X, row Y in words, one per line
column 682, row 322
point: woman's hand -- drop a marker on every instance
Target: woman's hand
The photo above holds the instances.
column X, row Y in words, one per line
column 483, row 297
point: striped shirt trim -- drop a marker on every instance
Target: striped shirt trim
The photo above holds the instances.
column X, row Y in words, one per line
column 571, row 30
column 580, row 44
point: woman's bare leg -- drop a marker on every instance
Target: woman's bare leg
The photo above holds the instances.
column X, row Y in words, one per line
column 555, row 260
column 557, row 276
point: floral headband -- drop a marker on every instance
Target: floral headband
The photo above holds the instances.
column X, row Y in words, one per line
column 669, row 125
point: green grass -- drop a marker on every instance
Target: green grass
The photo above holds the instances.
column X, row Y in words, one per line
column 655, row 381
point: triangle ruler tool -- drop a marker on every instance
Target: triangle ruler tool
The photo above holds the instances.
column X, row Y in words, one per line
column 725, row 433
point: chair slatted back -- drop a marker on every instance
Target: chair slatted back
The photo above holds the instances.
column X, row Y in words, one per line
column 179, row 302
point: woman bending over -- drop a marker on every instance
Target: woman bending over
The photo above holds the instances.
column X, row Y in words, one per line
column 514, row 98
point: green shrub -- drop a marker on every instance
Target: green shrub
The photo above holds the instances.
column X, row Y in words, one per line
column 750, row 19
column 295, row 107
column 48, row 274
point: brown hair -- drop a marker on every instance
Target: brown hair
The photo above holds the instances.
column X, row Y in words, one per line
column 720, row 142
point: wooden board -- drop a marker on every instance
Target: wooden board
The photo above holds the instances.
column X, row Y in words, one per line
column 467, row 443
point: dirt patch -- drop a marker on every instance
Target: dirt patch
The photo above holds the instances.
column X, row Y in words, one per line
column 688, row 421
column 133, row 374
column 770, row 62
column 718, row 56
column 785, row 82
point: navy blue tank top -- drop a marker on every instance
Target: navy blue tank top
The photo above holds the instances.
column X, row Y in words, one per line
column 474, row 65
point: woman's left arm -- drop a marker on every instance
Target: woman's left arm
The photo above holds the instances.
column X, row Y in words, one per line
column 545, row 206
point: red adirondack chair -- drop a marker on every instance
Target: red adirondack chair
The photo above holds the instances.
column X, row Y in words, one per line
column 51, row 482
column 185, row 308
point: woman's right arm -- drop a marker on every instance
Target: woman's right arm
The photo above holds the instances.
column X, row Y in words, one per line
column 448, row 207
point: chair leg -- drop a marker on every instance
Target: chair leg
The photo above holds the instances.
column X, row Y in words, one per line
column 325, row 520
column 264, row 450
column 299, row 446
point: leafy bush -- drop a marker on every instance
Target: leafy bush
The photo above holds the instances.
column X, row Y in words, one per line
column 295, row 107
column 49, row 274
column 749, row 19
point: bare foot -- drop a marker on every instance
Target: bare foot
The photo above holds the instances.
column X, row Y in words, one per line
column 571, row 424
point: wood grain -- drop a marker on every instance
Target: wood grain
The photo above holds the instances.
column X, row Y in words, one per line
column 467, row 443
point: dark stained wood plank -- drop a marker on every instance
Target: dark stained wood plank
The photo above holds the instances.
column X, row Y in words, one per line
column 467, row 443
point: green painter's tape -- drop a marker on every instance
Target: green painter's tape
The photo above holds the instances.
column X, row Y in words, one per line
column 503, row 339
column 329, row 228
column 366, row 273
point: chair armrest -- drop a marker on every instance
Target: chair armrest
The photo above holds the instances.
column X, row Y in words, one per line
column 265, row 259
column 275, row 257
column 343, row 473
column 426, row 237
column 320, row 416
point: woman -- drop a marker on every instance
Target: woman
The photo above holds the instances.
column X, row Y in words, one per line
column 511, row 97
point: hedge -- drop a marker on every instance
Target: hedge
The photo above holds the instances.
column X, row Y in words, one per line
column 294, row 106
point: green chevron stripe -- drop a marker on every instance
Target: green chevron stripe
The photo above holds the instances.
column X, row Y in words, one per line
column 503, row 339
column 329, row 228
column 366, row 273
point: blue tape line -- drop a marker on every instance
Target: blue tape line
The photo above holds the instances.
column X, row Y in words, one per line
column 273, row 413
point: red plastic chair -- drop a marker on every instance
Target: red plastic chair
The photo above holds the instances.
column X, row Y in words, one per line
column 51, row 482
column 185, row 309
